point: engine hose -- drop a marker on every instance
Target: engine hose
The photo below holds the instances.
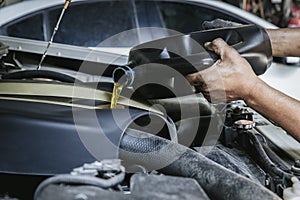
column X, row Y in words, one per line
column 217, row 181
column 275, row 158
column 79, row 179
column 266, row 163
column 29, row 74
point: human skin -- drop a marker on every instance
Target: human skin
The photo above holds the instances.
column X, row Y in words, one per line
column 285, row 41
column 232, row 78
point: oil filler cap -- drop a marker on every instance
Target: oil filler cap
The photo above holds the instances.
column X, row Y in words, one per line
column 244, row 124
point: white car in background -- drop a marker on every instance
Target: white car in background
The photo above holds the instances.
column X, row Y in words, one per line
column 89, row 33
column 88, row 23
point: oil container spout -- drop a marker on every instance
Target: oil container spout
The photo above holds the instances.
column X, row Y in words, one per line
column 161, row 65
column 123, row 75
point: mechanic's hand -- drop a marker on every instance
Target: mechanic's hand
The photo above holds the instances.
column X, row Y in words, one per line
column 229, row 78
column 218, row 23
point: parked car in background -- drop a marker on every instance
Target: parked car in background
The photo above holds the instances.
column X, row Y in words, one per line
column 100, row 20
column 41, row 135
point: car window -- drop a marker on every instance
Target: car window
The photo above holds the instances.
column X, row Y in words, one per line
column 187, row 18
column 89, row 24
column 30, row 27
column 84, row 24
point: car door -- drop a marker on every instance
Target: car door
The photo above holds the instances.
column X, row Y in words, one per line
column 185, row 16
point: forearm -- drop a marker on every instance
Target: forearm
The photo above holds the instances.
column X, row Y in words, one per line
column 285, row 41
column 232, row 78
column 279, row 107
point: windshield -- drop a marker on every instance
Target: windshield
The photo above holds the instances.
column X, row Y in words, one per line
column 93, row 23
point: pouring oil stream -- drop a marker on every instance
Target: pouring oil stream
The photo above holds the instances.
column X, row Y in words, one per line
column 123, row 76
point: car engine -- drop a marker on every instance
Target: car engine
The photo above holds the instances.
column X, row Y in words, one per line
column 61, row 140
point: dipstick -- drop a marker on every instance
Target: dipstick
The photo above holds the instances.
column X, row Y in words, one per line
column 54, row 32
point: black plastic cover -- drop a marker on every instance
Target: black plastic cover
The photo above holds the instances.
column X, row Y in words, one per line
column 186, row 53
column 47, row 139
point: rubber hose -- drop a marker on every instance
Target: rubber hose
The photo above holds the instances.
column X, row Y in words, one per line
column 263, row 158
column 276, row 159
column 170, row 158
column 77, row 179
column 29, row 74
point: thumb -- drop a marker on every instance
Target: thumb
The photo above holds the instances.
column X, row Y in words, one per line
column 219, row 47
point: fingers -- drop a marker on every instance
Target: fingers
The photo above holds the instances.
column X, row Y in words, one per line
column 218, row 46
column 218, row 23
column 194, row 79
column 220, row 82
column 197, row 81
column 221, row 48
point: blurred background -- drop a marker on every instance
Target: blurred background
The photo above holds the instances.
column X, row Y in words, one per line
column 283, row 13
column 7, row 2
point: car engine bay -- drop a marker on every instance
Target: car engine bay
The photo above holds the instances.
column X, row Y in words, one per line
column 61, row 140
